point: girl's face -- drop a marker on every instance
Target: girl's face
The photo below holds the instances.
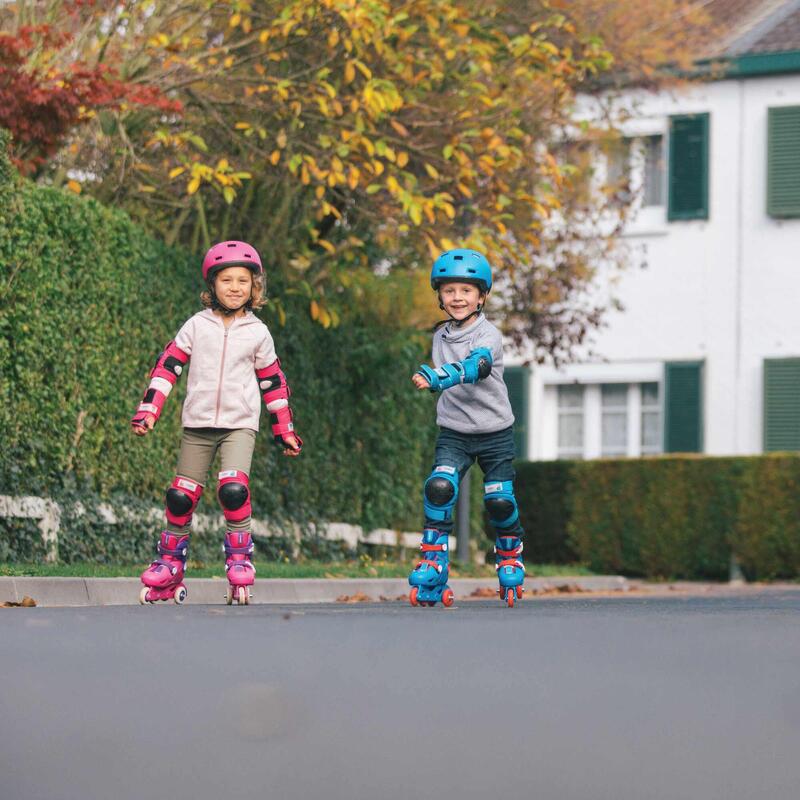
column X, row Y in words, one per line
column 460, row 299
column 233, row 286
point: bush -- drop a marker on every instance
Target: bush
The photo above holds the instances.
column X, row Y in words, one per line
column 668, row 517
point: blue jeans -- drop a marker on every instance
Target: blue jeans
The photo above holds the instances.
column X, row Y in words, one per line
column 494, row 453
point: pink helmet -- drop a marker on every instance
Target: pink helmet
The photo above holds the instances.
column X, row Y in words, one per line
column 231, row 254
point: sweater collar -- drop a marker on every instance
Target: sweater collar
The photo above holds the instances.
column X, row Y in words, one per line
column 451, row 333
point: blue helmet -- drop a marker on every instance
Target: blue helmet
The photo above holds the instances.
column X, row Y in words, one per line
column 464, row 265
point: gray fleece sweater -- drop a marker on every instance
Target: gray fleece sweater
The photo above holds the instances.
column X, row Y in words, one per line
column 481, row 407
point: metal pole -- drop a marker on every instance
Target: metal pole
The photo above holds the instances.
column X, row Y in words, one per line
column 462, row 521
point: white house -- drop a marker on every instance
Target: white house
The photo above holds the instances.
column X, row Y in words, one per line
column 705, row 356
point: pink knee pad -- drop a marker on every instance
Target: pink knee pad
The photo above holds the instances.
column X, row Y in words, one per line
column 182, row 499
column 234, row 495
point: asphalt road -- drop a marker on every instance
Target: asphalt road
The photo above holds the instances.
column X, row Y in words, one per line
column 679, row 698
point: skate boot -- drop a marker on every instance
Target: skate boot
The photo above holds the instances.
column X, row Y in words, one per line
column 238, row 567
column 510, row 569
column 429, row 578
column 163, row 579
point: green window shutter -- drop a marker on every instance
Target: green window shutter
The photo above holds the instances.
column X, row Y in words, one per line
column 783, row 162
column 516, row 379
column 683, row 407
column 688, row 167
column 781, row 404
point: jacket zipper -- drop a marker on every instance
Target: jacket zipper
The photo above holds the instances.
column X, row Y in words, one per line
column 221, row 372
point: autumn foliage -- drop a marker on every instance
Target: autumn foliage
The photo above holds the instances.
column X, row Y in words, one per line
column 349, row 138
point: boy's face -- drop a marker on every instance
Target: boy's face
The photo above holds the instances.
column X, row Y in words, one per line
column 460, row 299
column 233, row 286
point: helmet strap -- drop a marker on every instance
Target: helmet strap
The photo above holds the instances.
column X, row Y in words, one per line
column 217, row 305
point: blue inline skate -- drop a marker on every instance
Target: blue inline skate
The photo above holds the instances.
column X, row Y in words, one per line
column 429, row 578
column 510, row 569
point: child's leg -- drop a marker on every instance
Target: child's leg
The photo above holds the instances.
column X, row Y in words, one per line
column 429, row 576
column 236, row 455
column 496, row 460
column 163, row 578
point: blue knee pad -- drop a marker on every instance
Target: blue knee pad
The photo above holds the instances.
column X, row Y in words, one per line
column 498, row 497
column 441, row 490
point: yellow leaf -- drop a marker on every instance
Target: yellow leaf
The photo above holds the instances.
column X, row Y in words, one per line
column 320, row 192
column 464, row 190
column 324, row 318
column 229, row 193
column 222, row 165
column 349, row 72
column 431, row 170
column 275, row 157
column 173, row 173
column 242, row 126
column 281, row 139
column 305, row 178
column 263, row 36
column 314, row 309
column 415, row 212
column 246, row 25
column 326, row 245
column 228, row 62
column 392, row 185
column 352, row 177
column 235, row 20
column 402, row 158
column 194, row 185
column 74, row 186
column 401, row 129
column 333, row 38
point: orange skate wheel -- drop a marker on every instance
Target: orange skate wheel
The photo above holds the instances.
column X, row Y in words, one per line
column 447, row 598
column 412, row 596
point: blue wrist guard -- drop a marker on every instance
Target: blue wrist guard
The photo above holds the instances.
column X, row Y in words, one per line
column 476, row 366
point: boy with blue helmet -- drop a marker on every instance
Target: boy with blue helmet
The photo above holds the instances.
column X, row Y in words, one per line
column 475, row 422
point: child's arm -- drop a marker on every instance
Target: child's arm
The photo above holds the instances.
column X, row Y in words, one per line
column 168, row 368
column 475, row 367
column 276, row 393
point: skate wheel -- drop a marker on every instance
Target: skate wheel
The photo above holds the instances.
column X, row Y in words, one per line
column 412, row 596
column 519, row 592
column 447, row 598
column 143, row 595
column 229, row 595
column 180, row 594
column 510, row 598
column 241, row 596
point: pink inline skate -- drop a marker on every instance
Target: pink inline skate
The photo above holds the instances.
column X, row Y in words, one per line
column 163, row 579
column 238, row 567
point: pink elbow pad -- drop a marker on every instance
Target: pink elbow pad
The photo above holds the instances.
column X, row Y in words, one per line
column 275, row 391
column 163, row 376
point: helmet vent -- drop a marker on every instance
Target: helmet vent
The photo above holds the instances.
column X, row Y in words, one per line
column 217, row 258
column 470, row 269
column 231, row 244
column 458, row 258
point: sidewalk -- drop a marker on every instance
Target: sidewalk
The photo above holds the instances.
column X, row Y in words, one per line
column 49, row 592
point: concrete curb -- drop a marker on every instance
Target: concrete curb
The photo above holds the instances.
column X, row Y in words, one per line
column 50, row 592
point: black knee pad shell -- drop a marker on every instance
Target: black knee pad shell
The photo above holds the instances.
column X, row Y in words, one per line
column 178, row 502
column 233, row 495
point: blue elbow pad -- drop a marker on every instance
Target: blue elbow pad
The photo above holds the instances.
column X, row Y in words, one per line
column 477, row 365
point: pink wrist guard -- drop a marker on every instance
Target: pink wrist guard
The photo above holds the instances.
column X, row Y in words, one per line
column 164, row 375
column 276, row 394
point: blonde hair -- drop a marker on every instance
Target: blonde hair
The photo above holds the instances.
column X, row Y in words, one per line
column 257, row 293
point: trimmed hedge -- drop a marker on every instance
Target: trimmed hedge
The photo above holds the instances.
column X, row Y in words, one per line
column 669, row 517
column 87, row 301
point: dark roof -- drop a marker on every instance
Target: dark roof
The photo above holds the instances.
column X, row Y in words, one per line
column 753, row 27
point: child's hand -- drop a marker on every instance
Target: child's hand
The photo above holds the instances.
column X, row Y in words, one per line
column 419, row 381
column 294, row 446
column 142, row 430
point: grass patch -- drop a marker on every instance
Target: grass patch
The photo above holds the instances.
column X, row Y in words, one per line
column 360, row 568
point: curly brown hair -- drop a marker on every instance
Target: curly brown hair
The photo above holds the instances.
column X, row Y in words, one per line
column 257, row 299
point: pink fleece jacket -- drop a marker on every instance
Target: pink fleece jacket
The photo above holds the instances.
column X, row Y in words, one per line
column 222, row 390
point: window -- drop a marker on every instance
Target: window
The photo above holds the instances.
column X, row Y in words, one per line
column 688, row 167
column 783, row 162
column 781, row 404
column 570, row 421
column 653, row 178
column 651, row 438
column 683, row 407
column 614, row 419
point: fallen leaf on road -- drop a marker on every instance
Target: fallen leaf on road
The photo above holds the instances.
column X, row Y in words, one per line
column 484, row 591
column 27, row 602
column 358, row 597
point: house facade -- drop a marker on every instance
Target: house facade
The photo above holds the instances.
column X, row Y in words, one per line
column 705, row 355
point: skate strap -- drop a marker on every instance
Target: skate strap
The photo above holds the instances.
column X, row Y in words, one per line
column 429, row 548
column 243, row 563
column 246, row 550
column 426, row 562
column 165, row 551
column 159, row 562
column 511, row 562
column 508, row 553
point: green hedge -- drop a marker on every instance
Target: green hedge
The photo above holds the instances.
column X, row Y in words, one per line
column 670, row 517
column 88, row 299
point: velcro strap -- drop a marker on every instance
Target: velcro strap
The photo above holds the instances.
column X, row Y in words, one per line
column 511, row 562
column 428, row 548
column 164, row 551
column 426, row 562
column 509, row 553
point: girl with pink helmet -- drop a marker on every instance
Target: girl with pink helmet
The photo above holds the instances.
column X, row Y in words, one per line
column 233, row 361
